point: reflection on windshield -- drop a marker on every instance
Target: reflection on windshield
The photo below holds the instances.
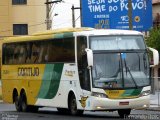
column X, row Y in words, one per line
column 119, row 70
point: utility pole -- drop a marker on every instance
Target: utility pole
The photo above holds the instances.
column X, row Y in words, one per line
column 73, row 15
column 47, row 15
column 130, row 14
column 48, row 8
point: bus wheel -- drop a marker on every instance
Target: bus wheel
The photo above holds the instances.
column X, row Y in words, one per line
column 124, row 113
column 17, row 103
column 73, row 106
column 23, row 101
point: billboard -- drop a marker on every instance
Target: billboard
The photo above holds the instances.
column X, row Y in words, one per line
column 113, row 14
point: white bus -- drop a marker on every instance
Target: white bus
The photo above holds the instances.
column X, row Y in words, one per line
column 76, row 70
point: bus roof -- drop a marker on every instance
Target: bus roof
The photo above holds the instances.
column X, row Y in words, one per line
column 90, row 31
column 97, row 32
column 48, row 34
column 60, row 33
column 63, row 30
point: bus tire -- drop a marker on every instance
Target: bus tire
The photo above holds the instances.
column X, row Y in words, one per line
column 17, row 103
column 23, row 102
column 73, row 106
column 124, row 113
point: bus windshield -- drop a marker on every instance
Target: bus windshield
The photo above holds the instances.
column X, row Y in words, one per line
column 124, row 68
column 116, row 42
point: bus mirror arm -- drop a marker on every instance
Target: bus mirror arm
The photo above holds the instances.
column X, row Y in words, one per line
column 89, row 57
column 155, row 56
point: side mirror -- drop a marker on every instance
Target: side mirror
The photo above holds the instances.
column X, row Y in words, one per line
column 155, row 56
column 89, row 57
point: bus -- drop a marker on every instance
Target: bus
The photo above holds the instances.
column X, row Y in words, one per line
column 77, row 70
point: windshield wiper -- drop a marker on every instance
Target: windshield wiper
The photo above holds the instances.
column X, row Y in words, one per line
column 132, row 77
column 128, row 70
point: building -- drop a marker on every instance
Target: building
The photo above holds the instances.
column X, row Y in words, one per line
column 22, row 17
column 156, row 12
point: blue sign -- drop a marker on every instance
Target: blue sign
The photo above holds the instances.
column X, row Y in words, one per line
column 113, row 14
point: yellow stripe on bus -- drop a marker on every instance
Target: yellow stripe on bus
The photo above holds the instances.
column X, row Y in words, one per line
column 28, row 77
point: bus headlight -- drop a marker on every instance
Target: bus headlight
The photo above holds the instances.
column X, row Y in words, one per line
column 145, row 93
column 100, row 95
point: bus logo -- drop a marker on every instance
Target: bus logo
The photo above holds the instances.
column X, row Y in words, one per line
column 83, row 101
column 69, row 73
column 28, row 71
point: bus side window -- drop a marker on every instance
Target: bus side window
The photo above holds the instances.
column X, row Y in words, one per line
column 50, row 56
column 16, row 54
column 40, row 59
column 22, row 54
column 82, row 63
column 10, row 57
column 43, row 53
column 28, row 52
column 35, row 52
column 8, row 53
column 68, row 50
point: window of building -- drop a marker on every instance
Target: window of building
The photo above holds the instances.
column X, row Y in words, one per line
column 17, row 2
column 20, row 29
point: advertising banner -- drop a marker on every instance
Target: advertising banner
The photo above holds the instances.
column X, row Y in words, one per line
column 113, row 14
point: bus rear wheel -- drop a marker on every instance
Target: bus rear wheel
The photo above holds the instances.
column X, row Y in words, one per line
column 23, row 102
column 124, row 113
column 17, row 103
column 73, row 106
column 24, row 106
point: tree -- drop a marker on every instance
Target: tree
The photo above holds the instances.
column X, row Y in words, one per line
column 154, row 39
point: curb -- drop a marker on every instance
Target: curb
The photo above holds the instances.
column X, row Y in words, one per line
column 154, row 108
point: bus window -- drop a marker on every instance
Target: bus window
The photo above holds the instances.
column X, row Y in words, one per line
column 51, row 50
column 55, row 50
column 65, row 49
column 22, row 54
column 8, row 53
column 43, row 53
column 35, row 52
column 82, row 63
column 68, row 50
column 28, row 52
column 16, row 54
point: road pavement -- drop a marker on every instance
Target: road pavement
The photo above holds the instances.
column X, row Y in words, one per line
column 8, row 112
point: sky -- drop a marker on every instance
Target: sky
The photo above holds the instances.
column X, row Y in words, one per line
column 64, row 17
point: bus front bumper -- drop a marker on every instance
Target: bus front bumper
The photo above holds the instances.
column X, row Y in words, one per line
column 98, row 104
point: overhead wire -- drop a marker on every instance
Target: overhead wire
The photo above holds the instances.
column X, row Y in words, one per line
column 69, row 3
column 52, row 9
column 41, row 23
column 68, row 21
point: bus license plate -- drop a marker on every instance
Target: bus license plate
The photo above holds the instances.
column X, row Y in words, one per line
column 124, row 103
